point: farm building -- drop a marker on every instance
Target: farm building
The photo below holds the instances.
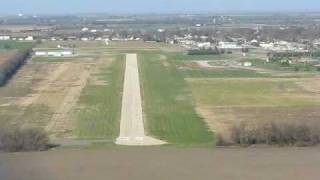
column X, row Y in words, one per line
column 229, row 45
column 54, row 53
column 5, row 38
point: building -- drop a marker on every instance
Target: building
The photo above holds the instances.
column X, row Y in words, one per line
column 229, row 45
column 5, row 38
column 266, row 46
column 84, row 39
column 247, row 64
column 54, row 53
column 205, row 45
column 29, row 38
column 85, row 29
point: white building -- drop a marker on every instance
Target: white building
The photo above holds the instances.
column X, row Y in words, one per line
column 5, row 38
column 229, row 45
column 40, row 53
column 85, row 29
column 205, row 45
column 29, row 38
column 247, row 64
column 84, row 39
column 267, row 46
column 54, row 53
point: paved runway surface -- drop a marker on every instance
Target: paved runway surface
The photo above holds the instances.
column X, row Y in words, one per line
column 131, row 127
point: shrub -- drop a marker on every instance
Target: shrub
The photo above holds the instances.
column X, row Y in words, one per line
column 270, row 133
column 11, row 64
column 204, row 52
column 16, row 139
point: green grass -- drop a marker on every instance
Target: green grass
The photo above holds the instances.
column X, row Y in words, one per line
column 99, row 114
column 168, row 104
column 15, row 45
column 205, row 73
column 258, row 92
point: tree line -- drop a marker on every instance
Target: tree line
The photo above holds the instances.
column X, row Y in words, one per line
column 12, row 63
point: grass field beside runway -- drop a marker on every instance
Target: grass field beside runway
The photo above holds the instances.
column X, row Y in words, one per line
column 100, row 103
column 168, row 104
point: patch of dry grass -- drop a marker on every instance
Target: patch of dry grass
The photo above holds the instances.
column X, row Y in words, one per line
column 246, row 133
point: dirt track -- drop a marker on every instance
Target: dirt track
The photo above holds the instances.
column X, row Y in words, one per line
column 131, row 126
column 164, row 164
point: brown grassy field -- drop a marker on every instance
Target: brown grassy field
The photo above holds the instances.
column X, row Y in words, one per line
column 39, row 90
column 224, row 102
column 45, row 93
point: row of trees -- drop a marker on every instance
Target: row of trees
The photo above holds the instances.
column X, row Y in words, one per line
column 275, row 56
column 12, row 63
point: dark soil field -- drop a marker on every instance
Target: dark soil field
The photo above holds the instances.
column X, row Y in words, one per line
column 164, row 164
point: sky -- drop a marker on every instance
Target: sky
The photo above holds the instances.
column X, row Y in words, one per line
column 152, row 6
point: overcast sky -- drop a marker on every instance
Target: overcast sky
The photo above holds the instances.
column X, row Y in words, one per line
column 152, row 6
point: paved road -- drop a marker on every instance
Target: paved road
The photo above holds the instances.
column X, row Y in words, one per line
column 164, row 163
column 131, row 127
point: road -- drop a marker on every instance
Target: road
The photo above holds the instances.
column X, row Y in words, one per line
column 131, row 126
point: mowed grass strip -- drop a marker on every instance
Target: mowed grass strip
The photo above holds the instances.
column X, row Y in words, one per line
column 250, row 92
column 168, row 104
column 100, row 103
column 14, row 45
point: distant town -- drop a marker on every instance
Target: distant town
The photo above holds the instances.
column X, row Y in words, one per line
column 292, row 35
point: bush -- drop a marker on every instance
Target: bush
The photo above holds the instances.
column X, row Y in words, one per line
column 270, row 133
column 204, row 52
column 11, row 64
column 15, row 139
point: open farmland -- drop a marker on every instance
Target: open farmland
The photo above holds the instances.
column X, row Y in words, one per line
column 227, row 94
column 79, row 97
column 66, row 95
